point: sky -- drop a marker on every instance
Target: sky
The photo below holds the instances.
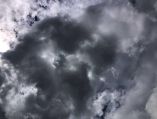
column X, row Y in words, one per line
column 78, row 59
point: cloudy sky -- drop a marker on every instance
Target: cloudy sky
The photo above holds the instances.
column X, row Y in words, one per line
column 78, row 59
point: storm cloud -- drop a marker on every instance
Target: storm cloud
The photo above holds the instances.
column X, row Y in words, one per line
column 98, row 65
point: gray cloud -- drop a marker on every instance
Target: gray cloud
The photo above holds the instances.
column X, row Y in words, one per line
column 60, row 84
column 58, row 87
column 101, row 65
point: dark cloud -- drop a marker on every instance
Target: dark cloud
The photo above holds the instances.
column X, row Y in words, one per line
column 63, row 91
column 1, row 78
column 79, row 86
column 145, row 6
column 68, row 35
column 103, row 53
column 64, row 87
column 133, row 2
column 2, row 113
column 58, row 88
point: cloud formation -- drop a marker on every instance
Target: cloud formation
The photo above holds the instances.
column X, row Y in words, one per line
column 98, row 64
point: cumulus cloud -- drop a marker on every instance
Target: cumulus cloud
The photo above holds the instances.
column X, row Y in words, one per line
column 79, row 60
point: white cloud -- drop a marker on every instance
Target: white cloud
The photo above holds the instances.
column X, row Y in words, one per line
column 151, row 105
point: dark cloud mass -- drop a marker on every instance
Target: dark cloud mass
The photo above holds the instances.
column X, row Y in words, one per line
column 67, row 35
column 56, row 86
column 2, row 113
column 101, row 65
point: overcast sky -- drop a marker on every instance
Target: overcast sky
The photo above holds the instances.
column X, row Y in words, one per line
column 78, row 59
